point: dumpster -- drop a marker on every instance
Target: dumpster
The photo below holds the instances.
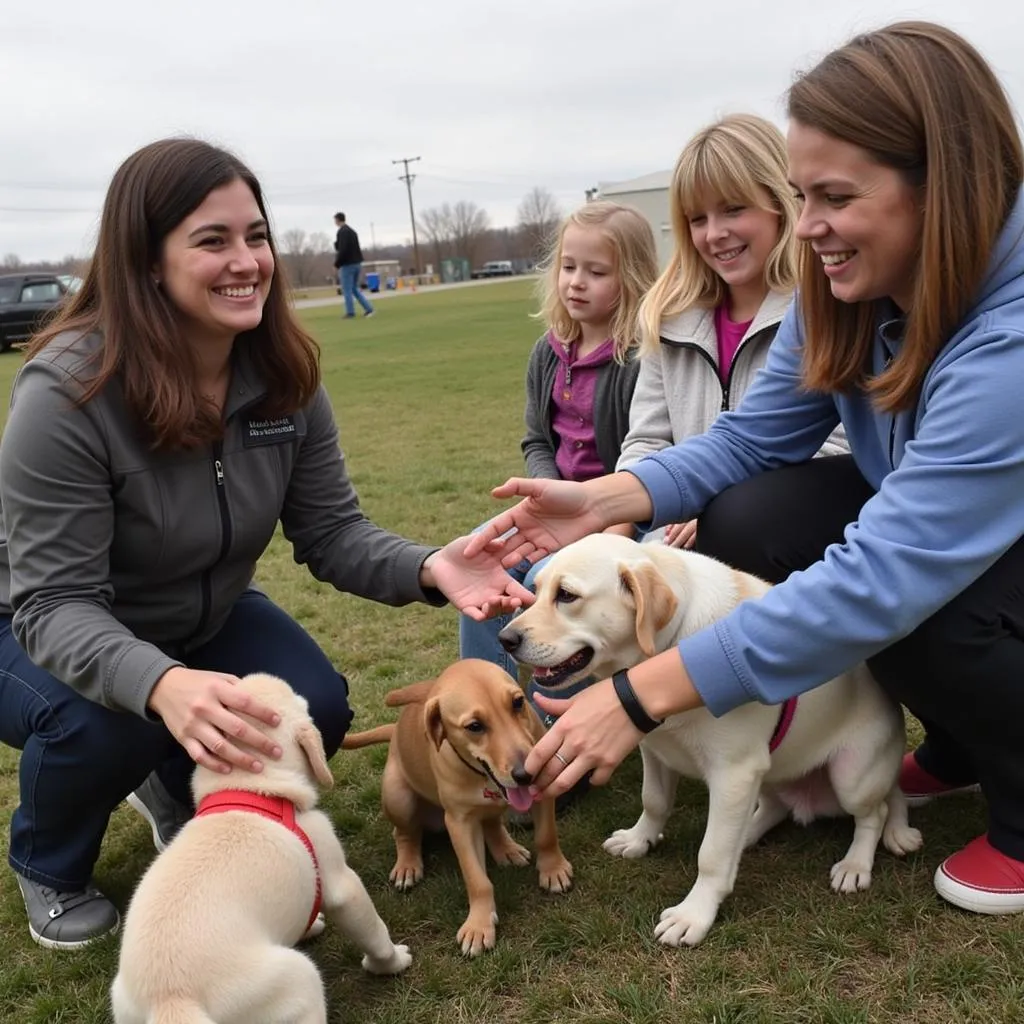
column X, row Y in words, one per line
column 373, row 282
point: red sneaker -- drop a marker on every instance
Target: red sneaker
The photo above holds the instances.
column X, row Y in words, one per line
column 982, row 879
column 920, row 787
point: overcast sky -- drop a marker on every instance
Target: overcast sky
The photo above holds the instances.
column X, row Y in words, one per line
column 320, row 96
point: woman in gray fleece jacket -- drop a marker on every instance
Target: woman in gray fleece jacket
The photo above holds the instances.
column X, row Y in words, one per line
column 159, row 431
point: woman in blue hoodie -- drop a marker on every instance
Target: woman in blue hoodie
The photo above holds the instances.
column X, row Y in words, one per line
column 909, row 330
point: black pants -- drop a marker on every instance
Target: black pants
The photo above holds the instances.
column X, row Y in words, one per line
column 961, row 672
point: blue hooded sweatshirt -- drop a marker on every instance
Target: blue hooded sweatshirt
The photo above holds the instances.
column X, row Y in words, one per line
column 949, row 476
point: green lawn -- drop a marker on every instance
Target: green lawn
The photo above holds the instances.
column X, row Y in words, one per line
column 429, row 399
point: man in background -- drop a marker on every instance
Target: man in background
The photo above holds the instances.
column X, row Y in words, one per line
column 348, row 260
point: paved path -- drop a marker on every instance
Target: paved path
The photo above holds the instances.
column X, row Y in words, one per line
column 335, row 300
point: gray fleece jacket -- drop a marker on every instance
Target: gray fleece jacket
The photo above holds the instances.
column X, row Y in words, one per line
column 116, row 560
column 679, row 393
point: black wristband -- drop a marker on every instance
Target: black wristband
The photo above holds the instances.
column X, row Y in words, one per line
column 631, row 703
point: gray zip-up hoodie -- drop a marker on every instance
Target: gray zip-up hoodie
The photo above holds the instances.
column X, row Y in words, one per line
column 679, row 393
column 117, row 560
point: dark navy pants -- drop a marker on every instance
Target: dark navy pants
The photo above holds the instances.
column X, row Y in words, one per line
column 79, row 760
column 961, row 672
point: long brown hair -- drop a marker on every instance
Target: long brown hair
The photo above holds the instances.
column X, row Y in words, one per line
column 151, row 193
column 918, row 98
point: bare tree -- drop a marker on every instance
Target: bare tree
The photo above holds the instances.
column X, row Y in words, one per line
column 12, row 261
column 436, row 225
column 300, row 255
column 469, row 226
column 538, row 218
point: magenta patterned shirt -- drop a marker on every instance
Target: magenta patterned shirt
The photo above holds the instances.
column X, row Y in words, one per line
column 573, row 404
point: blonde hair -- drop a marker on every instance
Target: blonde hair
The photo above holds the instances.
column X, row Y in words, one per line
column 636, row 264
column 737, row 158
column 918, row 98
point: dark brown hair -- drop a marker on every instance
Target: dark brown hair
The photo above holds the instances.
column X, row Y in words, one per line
column 918, row 98
column 151, row 193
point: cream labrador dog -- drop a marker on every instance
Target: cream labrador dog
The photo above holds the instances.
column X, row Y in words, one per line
column 606, row 603
column 208, row 936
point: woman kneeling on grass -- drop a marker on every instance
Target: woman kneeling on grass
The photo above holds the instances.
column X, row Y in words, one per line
column 909, row 329
column 160, row 429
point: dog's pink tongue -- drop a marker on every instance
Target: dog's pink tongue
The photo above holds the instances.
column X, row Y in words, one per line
column 519, row 798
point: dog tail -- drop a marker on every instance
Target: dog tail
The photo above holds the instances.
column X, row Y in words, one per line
column 179, row 1010
column 382, row 734
column 414, row 693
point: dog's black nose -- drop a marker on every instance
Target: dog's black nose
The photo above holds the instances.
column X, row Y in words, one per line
column 510, row 638
column 521, row 776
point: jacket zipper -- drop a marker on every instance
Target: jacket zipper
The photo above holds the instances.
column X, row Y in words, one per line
column 206, row 583
column 725, row 385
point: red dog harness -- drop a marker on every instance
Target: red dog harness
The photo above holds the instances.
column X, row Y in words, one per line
column 786, row 714
column 275, row 808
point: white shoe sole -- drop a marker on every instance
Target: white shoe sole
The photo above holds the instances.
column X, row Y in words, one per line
column 980, row 901
column 134, row 802
column 41, row 940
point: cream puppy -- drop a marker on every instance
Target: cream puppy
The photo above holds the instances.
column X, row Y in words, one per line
column 209, row 933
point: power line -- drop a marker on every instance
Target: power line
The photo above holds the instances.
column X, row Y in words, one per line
column 409, row 179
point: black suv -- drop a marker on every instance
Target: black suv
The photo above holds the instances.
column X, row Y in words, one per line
column 25, row 301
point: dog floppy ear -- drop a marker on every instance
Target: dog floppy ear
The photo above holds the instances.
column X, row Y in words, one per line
column 655, row 602
column 308, row 737
column 433, row 721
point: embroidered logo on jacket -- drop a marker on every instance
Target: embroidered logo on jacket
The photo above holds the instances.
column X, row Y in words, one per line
column 258, row 432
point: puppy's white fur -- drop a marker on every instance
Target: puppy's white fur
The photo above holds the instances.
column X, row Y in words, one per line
column 209, row 932
column 842, row 754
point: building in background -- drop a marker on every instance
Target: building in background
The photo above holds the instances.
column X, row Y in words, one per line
column 649, row 194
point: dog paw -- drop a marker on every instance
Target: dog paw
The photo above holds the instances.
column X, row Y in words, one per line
column 477, row 934
column 630, row 843
column 850, row 875
column 396, row 963
column 513, row 855
column 405, row 875
column 902, row 840
column 555, row 877
column 683, row 925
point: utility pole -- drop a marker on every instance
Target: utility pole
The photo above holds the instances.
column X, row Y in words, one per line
column 409, row 179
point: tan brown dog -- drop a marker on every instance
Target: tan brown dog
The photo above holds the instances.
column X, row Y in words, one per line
column 209, row 932
column 458, row 747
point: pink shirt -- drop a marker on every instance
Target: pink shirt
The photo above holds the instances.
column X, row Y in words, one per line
column 573, row 409
column 729, row 334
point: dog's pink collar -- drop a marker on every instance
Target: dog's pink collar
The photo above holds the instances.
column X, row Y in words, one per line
column 276, row 808
column 786, row 713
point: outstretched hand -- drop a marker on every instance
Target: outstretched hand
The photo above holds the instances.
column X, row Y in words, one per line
column 477, row 584
column 553, row 513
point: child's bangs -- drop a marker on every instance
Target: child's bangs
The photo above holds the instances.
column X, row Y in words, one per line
column 714, row 174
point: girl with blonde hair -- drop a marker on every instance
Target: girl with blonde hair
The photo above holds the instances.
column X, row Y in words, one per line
column 709, row 319
column 582, row 371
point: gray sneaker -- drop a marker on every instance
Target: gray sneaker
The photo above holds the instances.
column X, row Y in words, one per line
column 164, row 814
column 67, row 920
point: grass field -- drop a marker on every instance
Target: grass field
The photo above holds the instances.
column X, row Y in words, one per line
column 429, row 399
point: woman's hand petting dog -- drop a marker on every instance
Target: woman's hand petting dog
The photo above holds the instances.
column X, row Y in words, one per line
column 592, row 731
column 199, row 708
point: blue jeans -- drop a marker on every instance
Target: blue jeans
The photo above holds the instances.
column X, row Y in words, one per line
column 348, row 278
column 480, row 640
column 79, row 759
